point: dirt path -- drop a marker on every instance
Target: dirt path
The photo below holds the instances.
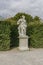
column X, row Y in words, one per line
column 16, row 57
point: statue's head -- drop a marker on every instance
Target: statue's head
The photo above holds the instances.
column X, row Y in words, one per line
column 23, row 16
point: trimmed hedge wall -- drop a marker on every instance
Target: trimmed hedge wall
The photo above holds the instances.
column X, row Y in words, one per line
column 36, row 35
column 4, row 35
column 9, row 35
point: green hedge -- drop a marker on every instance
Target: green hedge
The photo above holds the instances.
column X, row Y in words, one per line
column 9, row 35
column 4, row 35
column 36, row 35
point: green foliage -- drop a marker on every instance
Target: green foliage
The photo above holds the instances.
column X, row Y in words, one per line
column 36, row 18
column 4, row 35
column 36, row 35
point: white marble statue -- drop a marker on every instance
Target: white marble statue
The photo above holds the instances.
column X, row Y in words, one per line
column 22, row 26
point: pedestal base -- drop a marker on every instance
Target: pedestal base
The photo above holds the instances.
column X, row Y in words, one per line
column 23, row 43
column 23, row 48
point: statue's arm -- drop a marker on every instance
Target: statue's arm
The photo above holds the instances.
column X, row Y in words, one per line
column 18, row 22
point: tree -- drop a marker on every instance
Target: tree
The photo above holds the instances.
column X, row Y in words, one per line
column 28, row 18
column 36, row 18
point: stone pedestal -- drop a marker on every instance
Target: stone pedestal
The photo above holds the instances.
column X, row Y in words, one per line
column 23, row 43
